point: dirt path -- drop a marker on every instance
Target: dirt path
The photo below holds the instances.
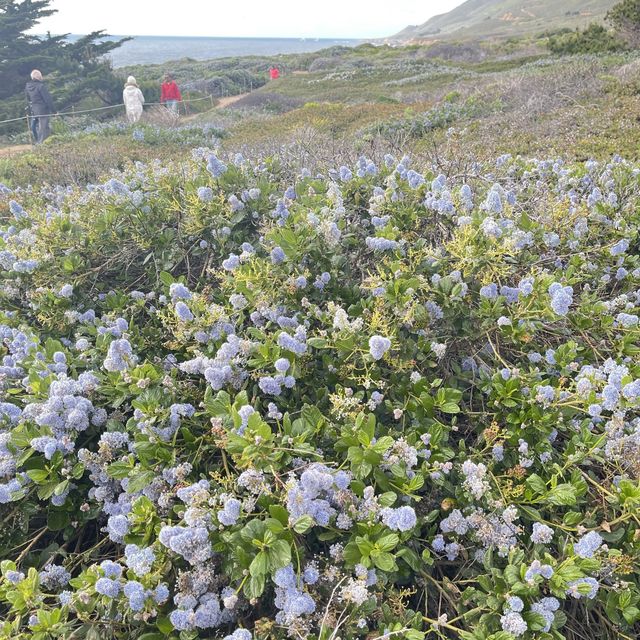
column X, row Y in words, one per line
column 223, row 103
column 14, row 150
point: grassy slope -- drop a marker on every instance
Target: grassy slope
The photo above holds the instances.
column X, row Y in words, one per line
column 504, row 18
column 576, row 107
column 333, row 105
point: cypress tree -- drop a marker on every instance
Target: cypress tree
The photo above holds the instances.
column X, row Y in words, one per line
column 75, row 69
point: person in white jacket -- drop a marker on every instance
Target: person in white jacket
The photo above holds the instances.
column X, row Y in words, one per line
column 133, row 100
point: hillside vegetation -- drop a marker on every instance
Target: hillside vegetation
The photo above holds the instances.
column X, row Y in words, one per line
column 475, row 19
column 451, row 100
column 245, row 401
column 352, row 357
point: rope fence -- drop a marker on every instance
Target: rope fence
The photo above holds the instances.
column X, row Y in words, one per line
column 113, row 106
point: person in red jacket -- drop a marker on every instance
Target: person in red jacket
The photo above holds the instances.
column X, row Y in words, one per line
column 274, row 73
column 170, row 94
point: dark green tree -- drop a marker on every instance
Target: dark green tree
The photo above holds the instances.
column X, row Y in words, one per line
column 625, row 18
column 596, row 38
column 75, row 69
column 20, row 51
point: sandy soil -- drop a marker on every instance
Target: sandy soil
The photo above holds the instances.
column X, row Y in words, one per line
column 229, row 100
column 14, row 150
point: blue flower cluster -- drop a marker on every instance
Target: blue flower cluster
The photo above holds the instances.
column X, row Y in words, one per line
column 350, row 381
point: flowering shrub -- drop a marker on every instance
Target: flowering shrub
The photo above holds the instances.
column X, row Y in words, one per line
column 377, row 403
column 154, row 135
column 441, row 116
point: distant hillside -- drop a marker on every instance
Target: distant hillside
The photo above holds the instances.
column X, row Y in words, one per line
column 504, row 18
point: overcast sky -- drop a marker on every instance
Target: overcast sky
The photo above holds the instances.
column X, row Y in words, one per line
column 254, row 18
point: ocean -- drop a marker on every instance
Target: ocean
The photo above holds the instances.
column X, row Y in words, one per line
column 159, row 49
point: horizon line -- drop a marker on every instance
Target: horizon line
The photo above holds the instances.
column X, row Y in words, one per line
column 160, row 35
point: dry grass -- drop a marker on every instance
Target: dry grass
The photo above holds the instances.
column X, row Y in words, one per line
column 334, row 120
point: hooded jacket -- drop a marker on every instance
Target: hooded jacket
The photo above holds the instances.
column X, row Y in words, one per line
column 132, row 98
column 39, row 98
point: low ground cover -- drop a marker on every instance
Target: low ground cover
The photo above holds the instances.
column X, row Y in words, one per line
column 242, row 399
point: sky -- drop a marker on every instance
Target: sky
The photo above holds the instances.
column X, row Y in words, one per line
column 248, row 18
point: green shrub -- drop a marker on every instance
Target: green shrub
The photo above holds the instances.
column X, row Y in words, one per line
column 381, row 402
column 594, row 39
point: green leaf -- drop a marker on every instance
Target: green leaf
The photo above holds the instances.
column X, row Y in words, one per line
column 78, row 471
column 317, row 343
column 274, row 526
column 303, row 524
column 166, row 278
column 365, row 546
column 164, row 625
column 61, row 488
column 278, row 512
column 388, row 542
column 572, row 518
column 140, row 481
column 39, row 476
column 449, row 407
column 631, row 614
column 532, row 513
column 536, row 484
column 220, row 405
column 625, row 599
column 382, row 444
column 7, row 565
column 279, row 555
column 143, row 508
column 410, row 557
column 563, row 495
column 615, row 536
column 45, row 491
column 567, row 573
column 259, row 564
column 352, row 553
column 120, row 469
column 311, row 417
column 387, row 499
column 415, row 483
column 253, row 530
column 535, row 621
column 254, row 586
column 384, row 561
column 512, row 574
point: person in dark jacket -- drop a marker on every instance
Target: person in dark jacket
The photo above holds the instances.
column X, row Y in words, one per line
column 40, row 105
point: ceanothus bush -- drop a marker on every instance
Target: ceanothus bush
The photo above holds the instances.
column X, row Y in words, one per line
column 385, row 402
